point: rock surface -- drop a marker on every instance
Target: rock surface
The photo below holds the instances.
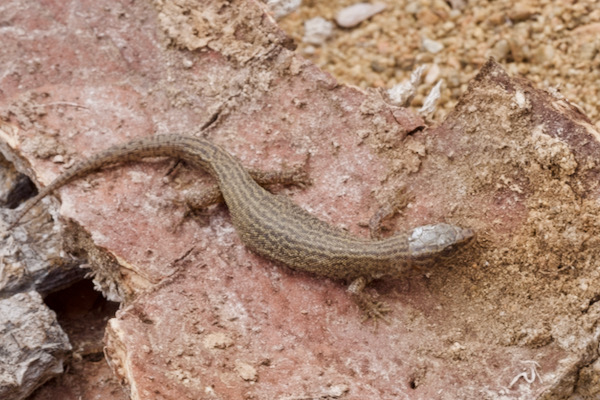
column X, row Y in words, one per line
column 34, row 347
column 203, row 317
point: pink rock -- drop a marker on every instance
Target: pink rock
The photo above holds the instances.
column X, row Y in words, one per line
column 201, row 314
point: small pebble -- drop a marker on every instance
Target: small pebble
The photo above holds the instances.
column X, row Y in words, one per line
column 309, row 50
column 458, row 4
column 317, row 31
column 500, row 50
column 521, row 13
column 187, row 63
column 281, row 8
column 432, row 46
column 545, row 53
column 412, row 7
column 351, row 16
column 433, row 74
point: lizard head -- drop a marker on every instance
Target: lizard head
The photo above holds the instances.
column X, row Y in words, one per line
column 430, row 242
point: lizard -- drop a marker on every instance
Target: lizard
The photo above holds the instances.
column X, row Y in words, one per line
column 278, row 229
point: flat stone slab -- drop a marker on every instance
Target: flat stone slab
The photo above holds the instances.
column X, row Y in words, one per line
column 514, row 317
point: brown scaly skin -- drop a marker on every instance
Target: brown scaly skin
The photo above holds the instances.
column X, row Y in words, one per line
column 276, row 228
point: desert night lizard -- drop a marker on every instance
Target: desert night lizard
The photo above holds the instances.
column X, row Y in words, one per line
column 278, row 229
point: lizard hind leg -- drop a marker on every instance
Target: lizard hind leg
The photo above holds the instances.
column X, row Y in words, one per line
column 286, row 176
column 371, row 308
column 206, row 197
column 393, row 206
column 196, row 202
column 199, row 200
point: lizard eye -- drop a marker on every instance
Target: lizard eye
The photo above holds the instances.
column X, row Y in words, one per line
column 448, row 251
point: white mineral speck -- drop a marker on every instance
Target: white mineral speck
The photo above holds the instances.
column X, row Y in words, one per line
column 403, row 93
column 187, row 63
column 431, row 100
column 246, row 371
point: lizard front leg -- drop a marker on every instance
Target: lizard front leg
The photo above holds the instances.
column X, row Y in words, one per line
column 371, row 308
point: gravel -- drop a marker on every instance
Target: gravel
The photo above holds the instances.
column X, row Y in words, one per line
column 555, row 44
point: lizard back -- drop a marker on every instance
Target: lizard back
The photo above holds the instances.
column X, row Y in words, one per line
column 273, row 226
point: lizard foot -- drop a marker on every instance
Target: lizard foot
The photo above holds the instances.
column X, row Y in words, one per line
column 372, row 309
column 375, row 310
column 286, row 176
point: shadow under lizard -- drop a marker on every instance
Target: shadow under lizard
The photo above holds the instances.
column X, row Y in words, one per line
column 278, row 229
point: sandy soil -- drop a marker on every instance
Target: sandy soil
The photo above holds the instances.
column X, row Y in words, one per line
column 552, row 43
